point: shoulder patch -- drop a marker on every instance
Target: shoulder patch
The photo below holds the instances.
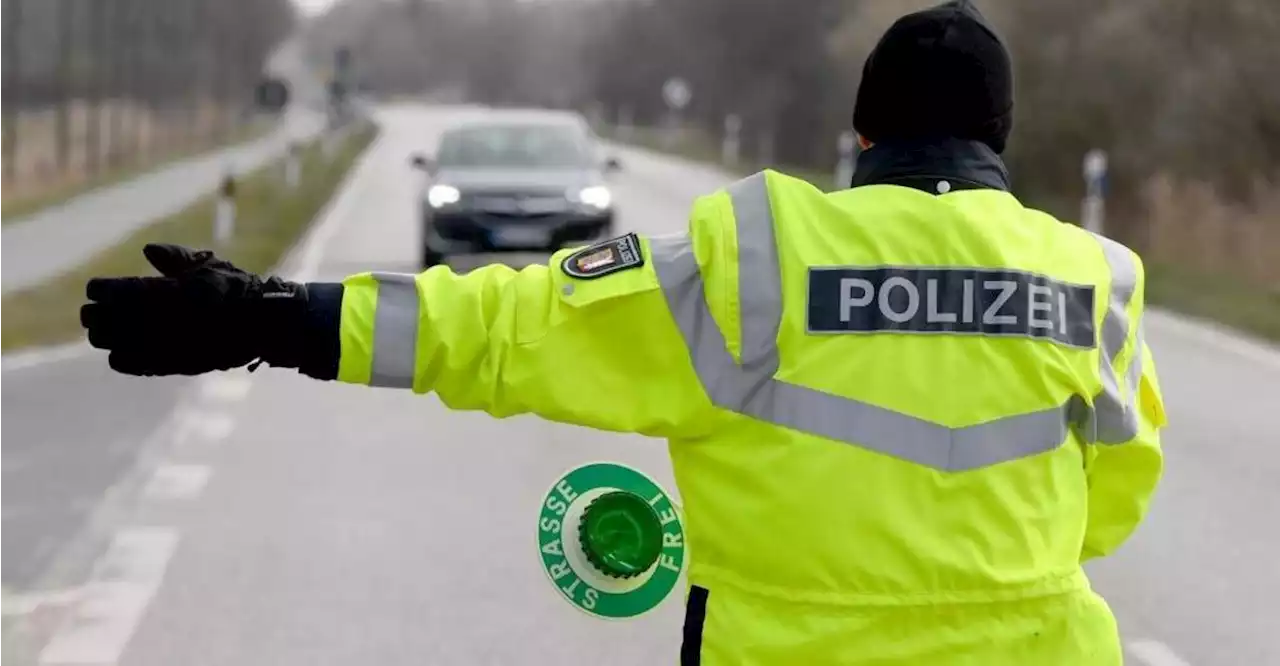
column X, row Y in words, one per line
column 601, row 259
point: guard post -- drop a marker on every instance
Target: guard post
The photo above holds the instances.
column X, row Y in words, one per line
column 1095, row 179
column 224, row 215
column 293, row 166
column 626, row 123
column 766, row 149
column 676, row 92
column 731, row 147
column 845, row 145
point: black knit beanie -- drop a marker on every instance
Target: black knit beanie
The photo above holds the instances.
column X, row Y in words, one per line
column 937, row 74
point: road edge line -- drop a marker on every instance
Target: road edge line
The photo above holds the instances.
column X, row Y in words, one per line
column 37, row 356
column 1216, row 335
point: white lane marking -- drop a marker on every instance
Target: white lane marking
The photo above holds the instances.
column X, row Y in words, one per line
column 226, row 387
column 209, row 428
column 336, row 210
column 177, row 482
column 24, row 604
column 1155, row 653
column 31, row 358
column 124, row 581
column 1216, row 335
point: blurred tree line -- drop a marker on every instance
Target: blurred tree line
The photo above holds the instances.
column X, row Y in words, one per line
column 83, row 79
column 511, row 52
column 1182, row 94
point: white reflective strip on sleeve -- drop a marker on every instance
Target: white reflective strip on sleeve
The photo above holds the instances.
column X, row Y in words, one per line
column 1114, row 419
column 395, row 331
column 727, row 384
column 759, row 281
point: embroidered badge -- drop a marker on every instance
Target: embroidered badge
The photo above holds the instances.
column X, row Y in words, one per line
column 604, row 258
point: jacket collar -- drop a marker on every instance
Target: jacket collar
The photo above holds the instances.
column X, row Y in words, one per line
column 965, row 165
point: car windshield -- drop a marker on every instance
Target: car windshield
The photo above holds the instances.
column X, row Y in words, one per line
column 517, row 146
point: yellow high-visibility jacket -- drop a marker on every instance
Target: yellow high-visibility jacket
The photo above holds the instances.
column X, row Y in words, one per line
column 900, row 420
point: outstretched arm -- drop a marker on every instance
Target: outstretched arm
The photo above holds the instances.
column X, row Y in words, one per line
column 585, row 339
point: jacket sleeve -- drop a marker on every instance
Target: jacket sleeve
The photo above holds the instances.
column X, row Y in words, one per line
column 1123, row 471
column 601, row 351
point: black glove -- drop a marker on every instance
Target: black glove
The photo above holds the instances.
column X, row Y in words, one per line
column 204, row 314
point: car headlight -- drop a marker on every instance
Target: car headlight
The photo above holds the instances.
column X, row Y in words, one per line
column 443, row 195
column 596, row 196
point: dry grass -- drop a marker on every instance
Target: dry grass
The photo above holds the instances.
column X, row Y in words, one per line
column 1215, row 259
column 270, row 219
column 1190, row 225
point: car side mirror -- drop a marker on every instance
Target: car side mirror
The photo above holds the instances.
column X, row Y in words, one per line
column 423, row 163
column 612, row 164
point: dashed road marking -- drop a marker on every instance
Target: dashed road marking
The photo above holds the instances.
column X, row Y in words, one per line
column 1155, row 653
column 105, row 613
column 207, row 427
column 23, row 604
column 177, row 482
column 124, row 581
column 226, row 387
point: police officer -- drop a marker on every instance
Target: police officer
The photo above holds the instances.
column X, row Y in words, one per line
column 901, row 415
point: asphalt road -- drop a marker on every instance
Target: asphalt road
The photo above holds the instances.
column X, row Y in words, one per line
column 267, row 519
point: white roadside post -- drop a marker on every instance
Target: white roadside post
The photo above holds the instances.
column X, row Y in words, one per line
column 595, row 115
column 293, row 166
column 732, row 146
column 766, row 149
column 224, row 220
column 845, row 145
column 1095, row 174
column 625, row 122
column 676, row 93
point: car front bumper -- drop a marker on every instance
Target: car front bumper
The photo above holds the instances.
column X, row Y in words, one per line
column 483, row 232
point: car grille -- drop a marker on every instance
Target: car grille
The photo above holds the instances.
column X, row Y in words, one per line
column 477, row 228
column 518, row 205
column 487, row 218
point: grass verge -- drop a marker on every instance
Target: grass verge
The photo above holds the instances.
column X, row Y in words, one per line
column 15, row 209
column 1239, row 305
column 269, row 220
column 1242, row 306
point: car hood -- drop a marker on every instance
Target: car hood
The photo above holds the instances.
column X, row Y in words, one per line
column 516, row 180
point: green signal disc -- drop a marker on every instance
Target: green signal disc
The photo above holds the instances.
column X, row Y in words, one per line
column 634, row 550
column 621, row 534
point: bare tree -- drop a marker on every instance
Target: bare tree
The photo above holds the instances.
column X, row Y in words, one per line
column 80, row 74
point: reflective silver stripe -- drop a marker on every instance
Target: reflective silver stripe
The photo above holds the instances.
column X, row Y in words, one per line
column 1115, row 417
column 759, row 281
column 677, row 270
column 747, row 389
column 395, row 331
